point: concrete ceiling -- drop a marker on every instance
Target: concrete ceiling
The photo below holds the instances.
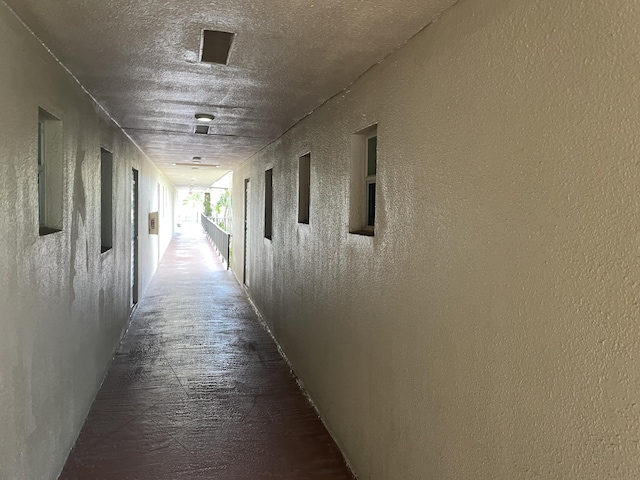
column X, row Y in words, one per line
column 141, row 60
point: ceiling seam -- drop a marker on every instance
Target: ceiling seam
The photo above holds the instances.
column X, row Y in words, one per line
column 70, row 73
column 151, row 130
column 346, row 88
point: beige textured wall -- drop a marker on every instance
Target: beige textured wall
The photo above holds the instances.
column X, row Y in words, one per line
column 63, row 305
column 490, row 330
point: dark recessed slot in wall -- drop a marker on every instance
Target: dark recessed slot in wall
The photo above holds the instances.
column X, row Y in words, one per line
column 268, row 203
column 106, row 200
column 216, row 46
column 304, row 181
column 202, row 129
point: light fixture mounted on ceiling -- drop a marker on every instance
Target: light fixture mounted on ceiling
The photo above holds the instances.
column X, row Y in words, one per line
column 197, row 160
column 204, row 117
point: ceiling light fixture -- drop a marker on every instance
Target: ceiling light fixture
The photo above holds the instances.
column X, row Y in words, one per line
column 204, row 117
column 197, row 160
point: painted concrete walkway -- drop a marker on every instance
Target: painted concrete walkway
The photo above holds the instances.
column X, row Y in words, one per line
column 198, row 390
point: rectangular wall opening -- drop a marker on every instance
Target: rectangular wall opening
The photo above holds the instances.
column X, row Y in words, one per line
column 304, row 184
column 106, row 200
column 371, row 162
column 50, row 173
column 268, row 203
column 364, row 165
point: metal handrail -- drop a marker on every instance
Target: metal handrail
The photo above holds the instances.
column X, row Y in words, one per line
column 220, row 239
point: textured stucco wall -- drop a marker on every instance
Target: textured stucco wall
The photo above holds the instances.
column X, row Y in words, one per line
column 490, row 329
column 63, row 305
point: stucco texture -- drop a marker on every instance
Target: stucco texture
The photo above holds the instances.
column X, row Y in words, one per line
column 63, row 304
column 489, row 330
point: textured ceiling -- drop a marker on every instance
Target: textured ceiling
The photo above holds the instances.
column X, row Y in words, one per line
column 140, row 60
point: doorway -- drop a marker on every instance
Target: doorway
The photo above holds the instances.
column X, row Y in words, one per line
column 245, row 268
column 134, row 238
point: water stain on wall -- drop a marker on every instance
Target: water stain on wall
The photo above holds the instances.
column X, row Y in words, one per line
column 79, row 214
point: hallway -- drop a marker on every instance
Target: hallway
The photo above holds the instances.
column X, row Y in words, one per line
column 198, row 390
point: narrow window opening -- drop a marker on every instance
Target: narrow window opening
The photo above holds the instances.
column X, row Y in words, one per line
column 216, row 46
column 370, row 179
column 50, row 173
column 268, row 203
column 41, row 176
column 371, row 204
column 304, row 182
column 106, row 200
column 364, row 166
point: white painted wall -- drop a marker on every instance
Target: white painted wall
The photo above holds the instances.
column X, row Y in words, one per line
column 63, row 305
column 490, row 330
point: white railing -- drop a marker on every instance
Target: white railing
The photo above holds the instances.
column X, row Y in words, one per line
column 219, row 238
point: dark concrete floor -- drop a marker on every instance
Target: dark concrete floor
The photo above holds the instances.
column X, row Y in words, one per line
column 198, row 390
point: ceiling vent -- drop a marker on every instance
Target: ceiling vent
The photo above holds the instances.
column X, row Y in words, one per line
column 216, row 46
column 202, row 129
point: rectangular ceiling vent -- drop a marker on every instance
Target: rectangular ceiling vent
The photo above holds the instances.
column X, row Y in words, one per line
column 216, row 46
column 202, row 129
